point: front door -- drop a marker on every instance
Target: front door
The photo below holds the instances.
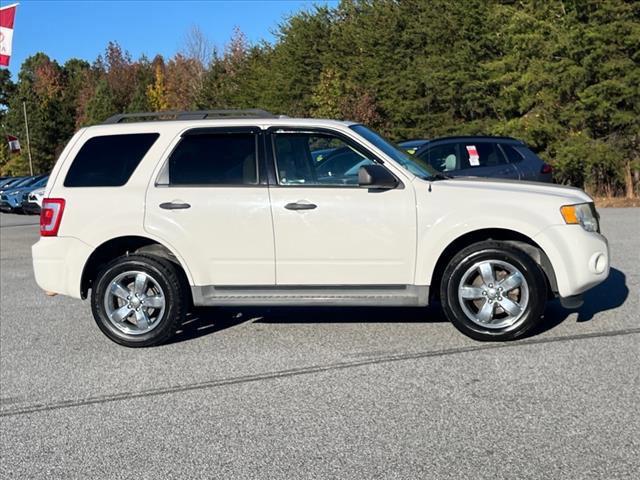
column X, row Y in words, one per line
column 210, row 203
column 328, row 230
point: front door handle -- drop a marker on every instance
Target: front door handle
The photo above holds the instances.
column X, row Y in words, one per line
column 174, row 205
column 300, row 206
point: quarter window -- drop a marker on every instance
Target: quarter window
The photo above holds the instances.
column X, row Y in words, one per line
column 512, row 154
column 109, row 160
column 215, row 159
column 316, row 159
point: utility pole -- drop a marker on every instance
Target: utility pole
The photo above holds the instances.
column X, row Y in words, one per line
column 26, row 126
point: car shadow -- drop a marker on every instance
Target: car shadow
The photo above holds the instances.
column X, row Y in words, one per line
column 610, row 294
column 204, row 321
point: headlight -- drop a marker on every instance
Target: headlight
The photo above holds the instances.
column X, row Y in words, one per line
column 584, row 214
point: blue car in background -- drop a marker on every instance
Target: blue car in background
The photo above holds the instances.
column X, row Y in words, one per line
column 11, row 198
column 10, row 182
column 481, row 156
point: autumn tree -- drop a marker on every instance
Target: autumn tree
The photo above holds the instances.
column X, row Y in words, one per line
column 157, row 92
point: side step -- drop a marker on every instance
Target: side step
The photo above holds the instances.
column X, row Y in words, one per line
column 312, row 295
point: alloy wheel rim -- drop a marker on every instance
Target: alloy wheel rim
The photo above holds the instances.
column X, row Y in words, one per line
column 134, row 302
column 494, row 294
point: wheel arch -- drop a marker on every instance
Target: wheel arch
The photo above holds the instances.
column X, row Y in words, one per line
column 125, row 245
column 512, row 237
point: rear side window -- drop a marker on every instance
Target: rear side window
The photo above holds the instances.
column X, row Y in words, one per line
column 109, row 160
column 481, row 155
column 215, row 159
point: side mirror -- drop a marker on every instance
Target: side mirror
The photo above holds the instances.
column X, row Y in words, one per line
column 376, row 176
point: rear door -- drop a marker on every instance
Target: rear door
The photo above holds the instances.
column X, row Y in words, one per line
column 210, row 202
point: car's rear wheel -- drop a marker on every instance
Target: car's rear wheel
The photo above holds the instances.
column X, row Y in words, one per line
column 493, row 291
column 138, row 300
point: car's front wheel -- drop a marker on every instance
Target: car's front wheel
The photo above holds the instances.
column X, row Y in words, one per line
column 138, row 300
column 493, row 291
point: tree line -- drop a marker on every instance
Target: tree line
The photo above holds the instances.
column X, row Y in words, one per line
column 563, row 76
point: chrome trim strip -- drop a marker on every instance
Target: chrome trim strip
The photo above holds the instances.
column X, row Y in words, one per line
column 312, row 295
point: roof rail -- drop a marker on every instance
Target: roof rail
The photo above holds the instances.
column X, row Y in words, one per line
column 475, row 137
column 186, row 115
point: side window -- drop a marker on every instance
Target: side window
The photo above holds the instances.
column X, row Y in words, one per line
column 444, row 158
column 304, row 158
column 512, row 154
column 109, row 160
column 215, row 159
column 481, row 155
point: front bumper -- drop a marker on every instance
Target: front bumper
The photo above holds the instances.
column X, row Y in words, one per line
column 30, row 207
column 580, row 259
column 58, row 263
column 10, row 203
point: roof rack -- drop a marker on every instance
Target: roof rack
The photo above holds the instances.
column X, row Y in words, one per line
column 186, row 115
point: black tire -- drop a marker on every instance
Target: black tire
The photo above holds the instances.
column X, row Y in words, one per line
column 499, row 252
column 166, row 275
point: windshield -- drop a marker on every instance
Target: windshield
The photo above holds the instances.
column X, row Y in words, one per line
column 413, row 164
column 23, row 182
column 40, row 183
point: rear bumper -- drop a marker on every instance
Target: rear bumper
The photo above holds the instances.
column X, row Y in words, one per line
column 580, row 259
column 58, row 263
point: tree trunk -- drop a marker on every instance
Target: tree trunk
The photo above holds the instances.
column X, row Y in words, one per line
column 628, row 180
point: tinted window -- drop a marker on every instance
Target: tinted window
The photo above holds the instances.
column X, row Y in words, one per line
column 214, row 159
column 297, row 164
column 480, row 155
column 512, row 154
column 444, row 158
column 108, row 161
column 40, row 183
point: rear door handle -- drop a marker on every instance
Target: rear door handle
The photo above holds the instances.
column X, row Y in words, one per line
column 300, row 206
column 174, row 205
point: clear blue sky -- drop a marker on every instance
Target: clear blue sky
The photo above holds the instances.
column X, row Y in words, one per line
column 82, row 29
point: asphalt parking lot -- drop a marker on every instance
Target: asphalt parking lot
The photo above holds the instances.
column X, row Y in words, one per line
column 320, row 393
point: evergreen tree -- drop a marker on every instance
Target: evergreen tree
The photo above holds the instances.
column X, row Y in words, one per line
column 562, row 76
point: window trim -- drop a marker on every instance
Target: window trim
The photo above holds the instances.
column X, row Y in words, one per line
column 273, row 177
column 162, row 178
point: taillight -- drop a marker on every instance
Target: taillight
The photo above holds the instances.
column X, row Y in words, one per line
column 546, row 168
column 50, row 216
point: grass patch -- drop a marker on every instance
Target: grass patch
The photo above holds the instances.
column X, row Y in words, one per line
column 616, row 202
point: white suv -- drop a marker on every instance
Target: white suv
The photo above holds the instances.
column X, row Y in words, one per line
column 247, row 208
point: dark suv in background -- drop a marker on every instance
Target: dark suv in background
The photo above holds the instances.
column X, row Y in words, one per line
column 480, row 156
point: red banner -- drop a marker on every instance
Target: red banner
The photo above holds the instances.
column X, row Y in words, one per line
column 7, row 19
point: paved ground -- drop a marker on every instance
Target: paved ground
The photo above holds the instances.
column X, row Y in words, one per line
column 320, row 393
